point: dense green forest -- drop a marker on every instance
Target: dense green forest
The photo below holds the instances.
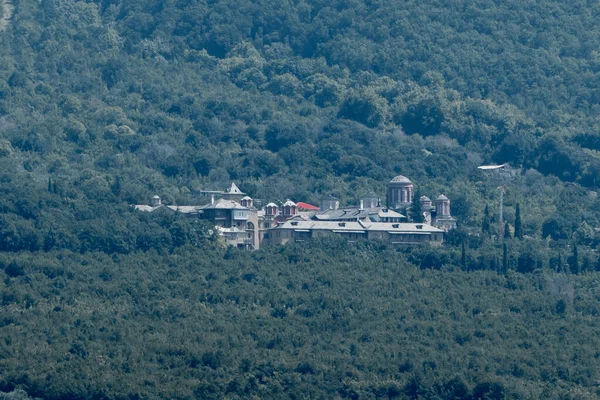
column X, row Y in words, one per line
column 214, row 323
column 105, row 103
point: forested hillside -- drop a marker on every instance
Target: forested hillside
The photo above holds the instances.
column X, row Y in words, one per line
column 277, row 324
column 105, row 103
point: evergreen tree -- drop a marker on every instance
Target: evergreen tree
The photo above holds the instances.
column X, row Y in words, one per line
column 116, row 186
column 49, row 185
column 463, row 256
column 506, row 231
column 416, row 211
column 518, row 226
column 574, row 261
column 504, row 259
column 586, row 264
column 559, row 263
column 485, row 224
column 494, row 264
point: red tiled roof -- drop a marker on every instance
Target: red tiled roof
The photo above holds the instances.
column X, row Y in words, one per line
column 306, row 206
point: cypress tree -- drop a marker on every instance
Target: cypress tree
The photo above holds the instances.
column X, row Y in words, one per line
column 463, row 256
column 416, row 211
column 574, row 264
column 518, row 227
column 559, row 266
column 506, row 231
column 50, row 185
column 485, row 224
column 504, row 259
column 116, row 187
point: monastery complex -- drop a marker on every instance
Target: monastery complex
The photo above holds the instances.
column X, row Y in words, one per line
column 242, row 224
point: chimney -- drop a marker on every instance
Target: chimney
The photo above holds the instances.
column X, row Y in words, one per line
column 362, row 204
column 212, row 198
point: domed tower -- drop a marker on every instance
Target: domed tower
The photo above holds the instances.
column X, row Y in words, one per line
column 443, row 219
column 246, row 201
column 425, row 203
column 289, row 209
column 155, row 201
column 442, row 206
column 400, row 192
column 271, row 210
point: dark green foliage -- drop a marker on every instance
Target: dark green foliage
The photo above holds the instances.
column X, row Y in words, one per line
column 489, row 391
column 402, row 332
column 416, row 211
column 574, row 261
column 507, row 234
column 485, row 223
column 366, row 108
column 425, row 118
column 106, row 103
column 518, row 223
column 14, row 269
column 504, row 258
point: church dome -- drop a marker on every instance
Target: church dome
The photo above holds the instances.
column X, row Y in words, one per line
column 400, row 179
column 289, row 203
column 441, row 197
column 425, row 198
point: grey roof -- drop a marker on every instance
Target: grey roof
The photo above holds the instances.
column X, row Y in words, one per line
column 356, row 213
column 321, row 225
column 390, row 227
column 223, row 204
column 403, row 227
column 146, row 208
column 289, row 203
column 246, row 198
column 271, row 205
column 442, row 197
column 155, row 197
column 186, row 209
column 181, row 209
column 389, row 213
column 342, row 213
column 233, row 189
column 400, row 179
column 425, row 198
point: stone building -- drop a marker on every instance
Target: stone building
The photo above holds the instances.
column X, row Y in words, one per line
column 370, row 200
column 437, row 213
column 393, row 233
column 243, row 225
column 329, row 203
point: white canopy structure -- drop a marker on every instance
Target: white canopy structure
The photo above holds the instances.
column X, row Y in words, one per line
column 488, row 167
